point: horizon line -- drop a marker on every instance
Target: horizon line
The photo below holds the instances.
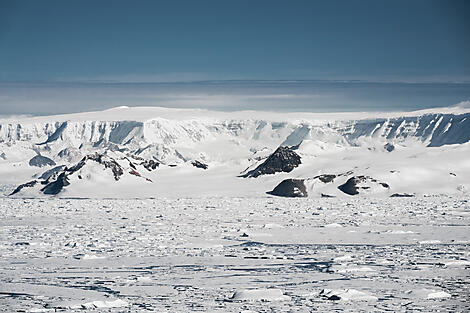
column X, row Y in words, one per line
column 222, row 81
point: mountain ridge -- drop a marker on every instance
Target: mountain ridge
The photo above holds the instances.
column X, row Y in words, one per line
column 236, row 144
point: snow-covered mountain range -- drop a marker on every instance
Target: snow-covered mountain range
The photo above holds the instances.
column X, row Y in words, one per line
column 199, row 152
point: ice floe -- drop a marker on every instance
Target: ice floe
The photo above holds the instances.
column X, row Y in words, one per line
column 260, row 295
column 346, row 295
column 438, row 295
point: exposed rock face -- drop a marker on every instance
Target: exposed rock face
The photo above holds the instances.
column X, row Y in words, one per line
column 57, row 134
column 135, row 173
column 103, row 144
column 56, row 186
column 198, row 164
column 57, row 178
column 389, row 147
column 107, row 162
column 3, row 156
column 70, row 154
column 293, row 188
column 284, row 159
column 326, row 178
column 354, row 184
column 41, row 161
column 325, row 185
column 150, row 165
column 49, row 173
column 131, row 164
column 402, row 195
column 25, row 185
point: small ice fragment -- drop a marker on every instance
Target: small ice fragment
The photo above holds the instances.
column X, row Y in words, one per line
column 332, row 225
column 105, row 304
column 438, row 295
column 343, row 258
column 272, row 225
column 260, row 295
column 92, row 257
column 429, row 242
column 144, row 279
column 400, row 232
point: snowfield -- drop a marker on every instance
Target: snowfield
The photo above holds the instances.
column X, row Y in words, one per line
column 235, row 254
column 172, row 210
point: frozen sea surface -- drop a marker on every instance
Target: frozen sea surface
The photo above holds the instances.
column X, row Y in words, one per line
column 235, row 254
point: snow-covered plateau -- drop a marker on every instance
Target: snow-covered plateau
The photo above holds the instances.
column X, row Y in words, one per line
column 178, row 210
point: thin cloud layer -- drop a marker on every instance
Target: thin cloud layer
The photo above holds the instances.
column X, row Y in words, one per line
column 311, row 96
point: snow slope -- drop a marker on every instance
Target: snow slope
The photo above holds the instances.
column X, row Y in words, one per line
column 428, row 149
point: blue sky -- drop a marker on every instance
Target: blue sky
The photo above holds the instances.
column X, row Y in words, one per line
column 180, row 41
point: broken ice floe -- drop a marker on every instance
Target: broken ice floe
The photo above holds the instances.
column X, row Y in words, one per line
column 430, row 242
column 457, row 263
column 438, row 295
column 346, row 295
column 351, row 269
column 260, row 295
column 100, row 304
column 428, row 294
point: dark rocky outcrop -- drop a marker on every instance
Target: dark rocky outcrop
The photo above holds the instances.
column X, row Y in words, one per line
column 100, row 158
column 49, row 173
column 55, row 179
column 3, row 156
column 131, row 164
column 150, row 165
column 56, row 186
column 107, row 162
column 135, row 173
column 293, row 188
column 198, row 164
column 326, row 178
column 402, row 195
column 351, row 187
column 389, row 147
column 25, row 185
column 284, row 159
column 41, row 161
column 57, row 134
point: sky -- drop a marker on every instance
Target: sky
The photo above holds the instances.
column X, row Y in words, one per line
column 67, row 56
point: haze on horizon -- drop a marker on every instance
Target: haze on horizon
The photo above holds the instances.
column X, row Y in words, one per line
column 60, row 57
